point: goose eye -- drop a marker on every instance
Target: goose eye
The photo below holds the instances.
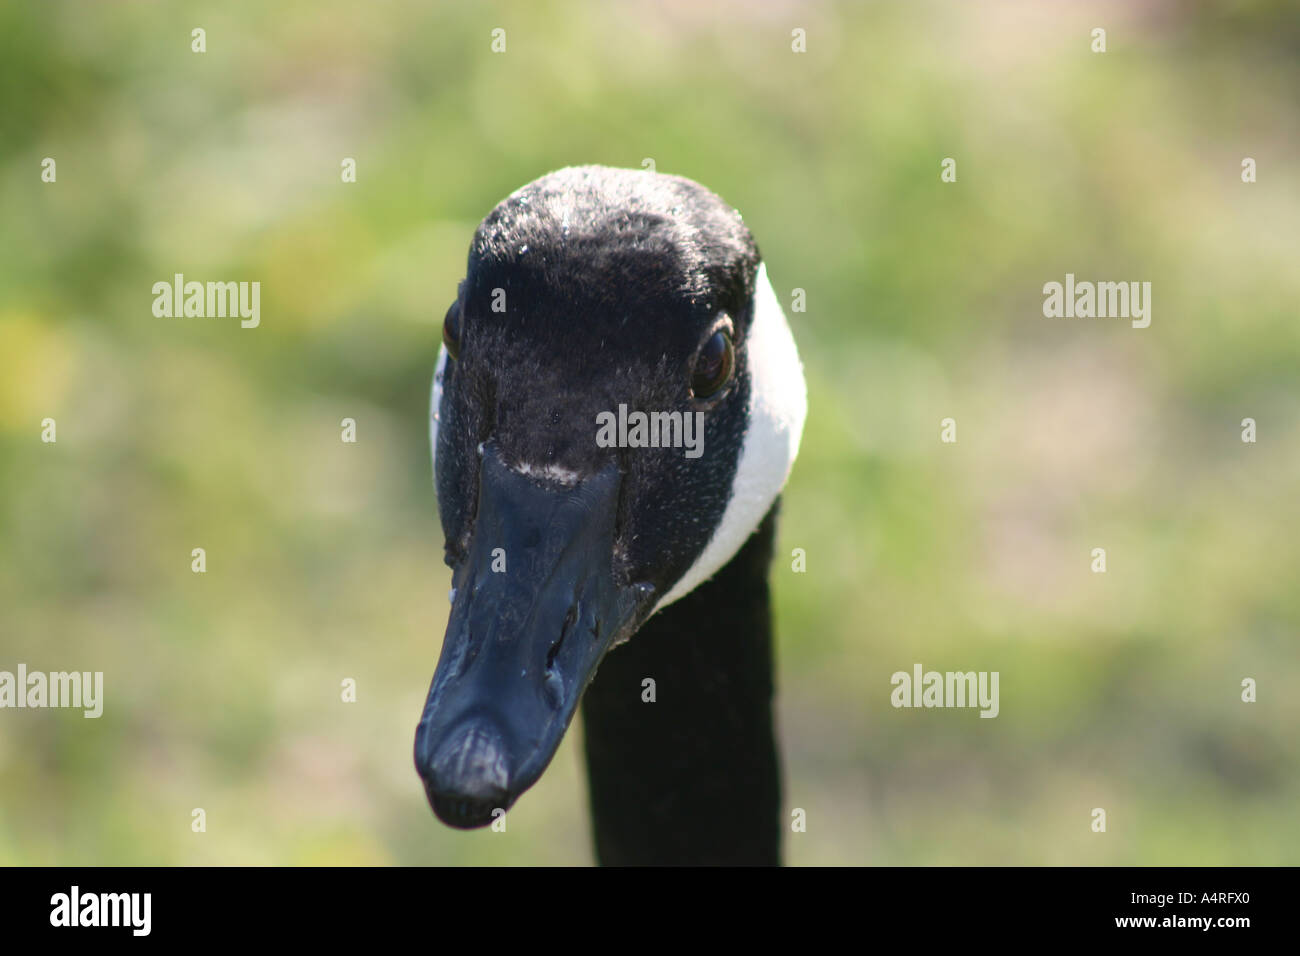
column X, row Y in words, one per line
column 714, row 365
column 451, row 330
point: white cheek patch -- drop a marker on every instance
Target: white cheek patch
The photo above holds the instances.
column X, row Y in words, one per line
column 778, row 404
column 435, row 405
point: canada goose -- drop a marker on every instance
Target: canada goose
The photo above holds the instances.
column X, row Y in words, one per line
column 588, row 290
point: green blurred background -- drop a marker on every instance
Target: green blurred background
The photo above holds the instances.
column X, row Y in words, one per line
column 1119, row 691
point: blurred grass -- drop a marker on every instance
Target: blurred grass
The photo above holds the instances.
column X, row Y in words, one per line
column 924, row 301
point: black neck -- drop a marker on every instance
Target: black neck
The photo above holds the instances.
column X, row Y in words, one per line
column 691, row 778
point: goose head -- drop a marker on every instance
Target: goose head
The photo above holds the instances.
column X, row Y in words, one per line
column 590, row 294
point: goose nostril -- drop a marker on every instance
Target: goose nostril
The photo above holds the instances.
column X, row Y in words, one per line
column 570, row 619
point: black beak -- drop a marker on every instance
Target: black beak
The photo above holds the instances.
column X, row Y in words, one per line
column 535, row 608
